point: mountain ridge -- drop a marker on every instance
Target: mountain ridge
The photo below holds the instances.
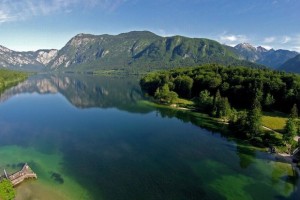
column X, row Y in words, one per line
column 270, row 58
column 25, row 60
column 139, row 50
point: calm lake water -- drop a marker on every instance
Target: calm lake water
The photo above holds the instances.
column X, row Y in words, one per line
column 95, row 138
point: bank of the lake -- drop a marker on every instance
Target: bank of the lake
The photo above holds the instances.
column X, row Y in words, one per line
column 219, row 125
column 9, row 78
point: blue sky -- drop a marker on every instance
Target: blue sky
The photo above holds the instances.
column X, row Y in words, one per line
column 37, row 24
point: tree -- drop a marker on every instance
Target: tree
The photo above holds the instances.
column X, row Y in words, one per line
column 183, row 86
column 7, row 192
column 238, row 123
column 294, row 112
column 290, row 130
column 254, row 120
column 205, row 100
column 224, row 109
column 291, row 126
column 269, row 100
column 165, row 95
column 216, row 102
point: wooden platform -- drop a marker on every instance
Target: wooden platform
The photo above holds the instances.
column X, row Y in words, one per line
column 18, row 177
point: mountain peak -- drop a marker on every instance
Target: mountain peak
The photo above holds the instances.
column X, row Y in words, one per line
column 261, row 49
column 245, row 46
column 4, row 49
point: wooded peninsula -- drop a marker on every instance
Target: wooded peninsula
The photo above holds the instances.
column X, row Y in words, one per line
column 238, row 96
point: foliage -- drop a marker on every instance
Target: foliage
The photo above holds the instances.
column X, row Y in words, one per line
column 238, row 123
column 183, row 86
column 7, row 192
column 224, row 109
column 247, row 124
column 221, row 91
column 254, row 120
column 165, row 95
column 274, row 90
column 294, row 112
column 205, row 100
column 290, row 130
column 141, row 51
column 9, row 78
column 269, row 101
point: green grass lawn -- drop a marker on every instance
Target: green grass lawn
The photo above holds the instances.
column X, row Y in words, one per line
column 274, row 120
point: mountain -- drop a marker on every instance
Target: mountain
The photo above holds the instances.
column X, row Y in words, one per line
column 271, row 58
column 31, row 60
column 292, row 65
column 139, row 50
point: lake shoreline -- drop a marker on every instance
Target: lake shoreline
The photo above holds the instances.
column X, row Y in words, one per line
column 279, row 156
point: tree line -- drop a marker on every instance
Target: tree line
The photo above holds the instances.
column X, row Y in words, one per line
column 275, row 90
column 236, row 94
column 9, row 78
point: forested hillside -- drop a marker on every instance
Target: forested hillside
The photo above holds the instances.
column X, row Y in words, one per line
column 140, row 51
column 241, row 85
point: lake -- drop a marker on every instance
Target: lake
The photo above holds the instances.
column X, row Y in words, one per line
column 92, row 137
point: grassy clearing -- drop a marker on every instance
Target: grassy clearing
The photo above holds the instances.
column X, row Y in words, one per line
column 275, row 120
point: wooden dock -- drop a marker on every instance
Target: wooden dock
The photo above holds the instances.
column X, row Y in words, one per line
column 20, row 176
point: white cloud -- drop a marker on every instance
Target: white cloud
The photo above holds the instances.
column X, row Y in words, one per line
column 4, row 17
column 286, row 39
column 289, row 42
column 233, row 39
column 269, row 39
column 266, row 47
column 296, row 48
column 230, row 38
column 20, row 10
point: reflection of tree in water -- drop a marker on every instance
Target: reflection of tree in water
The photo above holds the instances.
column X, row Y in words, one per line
column 198, row 119
column 246, row 156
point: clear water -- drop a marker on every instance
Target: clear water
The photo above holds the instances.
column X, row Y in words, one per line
column 93, row 138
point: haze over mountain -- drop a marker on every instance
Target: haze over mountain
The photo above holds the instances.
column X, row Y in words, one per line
column 291, row 65
column 140, row 51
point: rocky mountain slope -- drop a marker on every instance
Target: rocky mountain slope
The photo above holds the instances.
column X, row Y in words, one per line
column 270, row 58
column 31, row 60
column 140, row 51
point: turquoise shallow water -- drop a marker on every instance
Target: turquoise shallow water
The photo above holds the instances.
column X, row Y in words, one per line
column 91, row 138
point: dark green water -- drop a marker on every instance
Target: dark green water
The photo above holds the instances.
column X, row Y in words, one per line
column 94, row 138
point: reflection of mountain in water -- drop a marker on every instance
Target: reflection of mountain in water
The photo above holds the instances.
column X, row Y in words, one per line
column 84, row 91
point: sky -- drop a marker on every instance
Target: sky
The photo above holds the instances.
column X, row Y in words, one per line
column 49, row 24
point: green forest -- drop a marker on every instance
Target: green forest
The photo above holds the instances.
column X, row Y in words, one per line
column 237, row 95
column 9, row 78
